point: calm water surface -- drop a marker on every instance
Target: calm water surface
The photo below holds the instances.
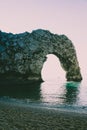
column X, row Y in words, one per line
column 58, row 94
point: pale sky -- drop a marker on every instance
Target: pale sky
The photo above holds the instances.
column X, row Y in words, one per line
column 67, row 17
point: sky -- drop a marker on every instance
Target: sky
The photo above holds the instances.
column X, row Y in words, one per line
column 52, row 69
column 59, row 16
column 67, row 17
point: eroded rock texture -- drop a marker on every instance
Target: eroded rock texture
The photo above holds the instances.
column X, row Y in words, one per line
column 23, row 55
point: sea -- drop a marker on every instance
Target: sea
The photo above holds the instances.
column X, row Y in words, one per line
column 56, row 94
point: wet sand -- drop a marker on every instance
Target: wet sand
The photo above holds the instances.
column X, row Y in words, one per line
column 14, row 117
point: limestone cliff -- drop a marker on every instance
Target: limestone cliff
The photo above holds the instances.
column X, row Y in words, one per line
column 22, row 55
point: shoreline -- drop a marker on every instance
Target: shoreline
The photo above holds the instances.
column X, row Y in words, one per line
column 13, row 117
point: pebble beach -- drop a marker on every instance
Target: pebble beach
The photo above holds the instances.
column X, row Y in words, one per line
column 14, row 117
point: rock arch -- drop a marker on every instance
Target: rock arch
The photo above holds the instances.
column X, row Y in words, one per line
column 25, row 53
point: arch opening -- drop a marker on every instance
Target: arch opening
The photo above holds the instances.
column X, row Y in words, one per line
column 52, row 69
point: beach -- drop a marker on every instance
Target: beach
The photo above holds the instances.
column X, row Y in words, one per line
column 13, row 117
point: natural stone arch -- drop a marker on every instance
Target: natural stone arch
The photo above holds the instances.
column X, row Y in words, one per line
column 70, row 67
column 28, row 51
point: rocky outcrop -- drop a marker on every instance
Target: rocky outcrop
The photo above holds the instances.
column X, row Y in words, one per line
column 22, row 55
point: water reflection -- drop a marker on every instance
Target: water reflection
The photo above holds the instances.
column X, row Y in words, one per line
column 50, row 93
column 59, row 92
column 72, row 91
column 22, row 91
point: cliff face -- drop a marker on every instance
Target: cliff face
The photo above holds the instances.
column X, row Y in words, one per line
column 23, row 55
